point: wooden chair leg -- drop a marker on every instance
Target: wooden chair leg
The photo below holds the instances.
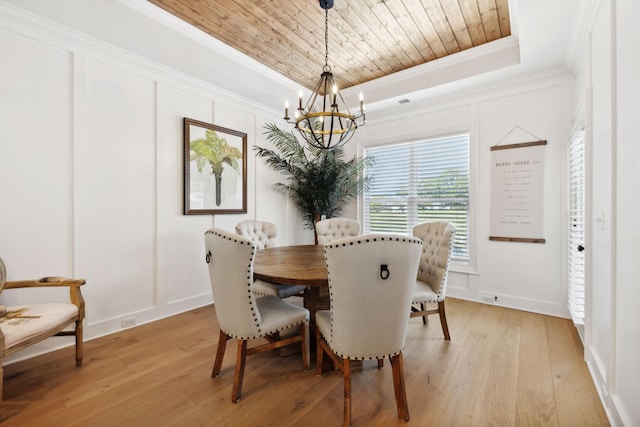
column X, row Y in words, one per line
column 222, row 345
column 443, row 321
column 1, row 381
column 381, row 363
column 346, row 369
column 319, row 352
column 239, row 375
column 399, row 388
column 79, row 339
column 304, row 345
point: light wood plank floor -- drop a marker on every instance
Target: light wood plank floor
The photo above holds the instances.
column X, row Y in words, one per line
column 502, row 367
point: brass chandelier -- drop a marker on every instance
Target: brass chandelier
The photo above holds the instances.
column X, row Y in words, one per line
column 325, row 120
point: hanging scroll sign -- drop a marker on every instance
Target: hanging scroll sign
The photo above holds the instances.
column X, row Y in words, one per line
column 517, row 193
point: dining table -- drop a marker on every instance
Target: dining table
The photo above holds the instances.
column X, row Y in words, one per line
column 297, row 265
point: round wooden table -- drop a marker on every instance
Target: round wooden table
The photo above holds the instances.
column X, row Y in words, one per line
column 296, row 265
column 292, row 265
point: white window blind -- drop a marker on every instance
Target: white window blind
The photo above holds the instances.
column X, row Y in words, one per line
column 420, row 181
column 576, row 289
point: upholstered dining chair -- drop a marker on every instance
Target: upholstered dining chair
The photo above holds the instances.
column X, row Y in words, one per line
column 431, row 284
column 331, row 229
column 27, row 324
column 264, row 235
column 240, row 314
column 371, row 280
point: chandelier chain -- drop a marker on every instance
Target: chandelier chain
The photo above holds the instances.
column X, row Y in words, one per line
column 326, row 37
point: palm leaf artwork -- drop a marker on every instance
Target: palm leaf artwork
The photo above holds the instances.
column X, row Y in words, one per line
column 318, row 181
column 216, row 152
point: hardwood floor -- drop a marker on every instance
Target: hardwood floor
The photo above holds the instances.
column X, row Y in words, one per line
column 502, row 367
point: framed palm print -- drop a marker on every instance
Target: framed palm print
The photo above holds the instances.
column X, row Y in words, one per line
column 215, row 169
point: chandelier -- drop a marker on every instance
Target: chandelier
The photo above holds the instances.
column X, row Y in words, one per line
column 325, row 120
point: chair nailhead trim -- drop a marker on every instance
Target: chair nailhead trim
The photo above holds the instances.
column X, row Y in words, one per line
column 375, row 239
column 249, row 275
column 250, row 296
column 267, row 333
column 382, row 238
column 441, row 230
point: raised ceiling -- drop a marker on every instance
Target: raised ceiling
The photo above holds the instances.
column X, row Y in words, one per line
column 368, row 39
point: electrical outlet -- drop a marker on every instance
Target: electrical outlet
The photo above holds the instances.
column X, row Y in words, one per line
column 489, row 299
column 127, row 322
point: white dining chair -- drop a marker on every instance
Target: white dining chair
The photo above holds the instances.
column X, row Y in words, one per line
column 331, row 229
column 240, row 314
column 264, row 235
column 431, row 283
column 371, row 279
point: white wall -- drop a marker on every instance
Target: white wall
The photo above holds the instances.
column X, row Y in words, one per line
column 527, row 276
column 609, row 93
column 600, row 131
column 626, row 385
column 91, row 175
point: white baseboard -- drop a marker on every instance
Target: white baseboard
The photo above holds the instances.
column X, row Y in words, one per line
column 608, row 401
column 509, row 301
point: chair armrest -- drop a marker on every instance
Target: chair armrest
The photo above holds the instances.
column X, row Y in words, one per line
column 73, row 284
column 44, row 282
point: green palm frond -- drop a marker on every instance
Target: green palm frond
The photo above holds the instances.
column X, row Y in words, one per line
column 318, row 182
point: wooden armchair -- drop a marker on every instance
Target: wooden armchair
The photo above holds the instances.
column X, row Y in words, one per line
column 24, row 325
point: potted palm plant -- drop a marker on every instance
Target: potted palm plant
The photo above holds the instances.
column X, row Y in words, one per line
column 319, row 182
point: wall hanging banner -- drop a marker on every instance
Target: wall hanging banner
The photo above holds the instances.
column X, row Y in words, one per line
column 517, row 196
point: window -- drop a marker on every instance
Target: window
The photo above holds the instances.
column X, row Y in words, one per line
column 576, row 259
column 426, row 180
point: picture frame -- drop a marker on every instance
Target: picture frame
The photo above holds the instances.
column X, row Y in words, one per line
column 215, row 169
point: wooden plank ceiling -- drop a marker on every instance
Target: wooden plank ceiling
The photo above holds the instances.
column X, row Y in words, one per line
column 368, row 39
